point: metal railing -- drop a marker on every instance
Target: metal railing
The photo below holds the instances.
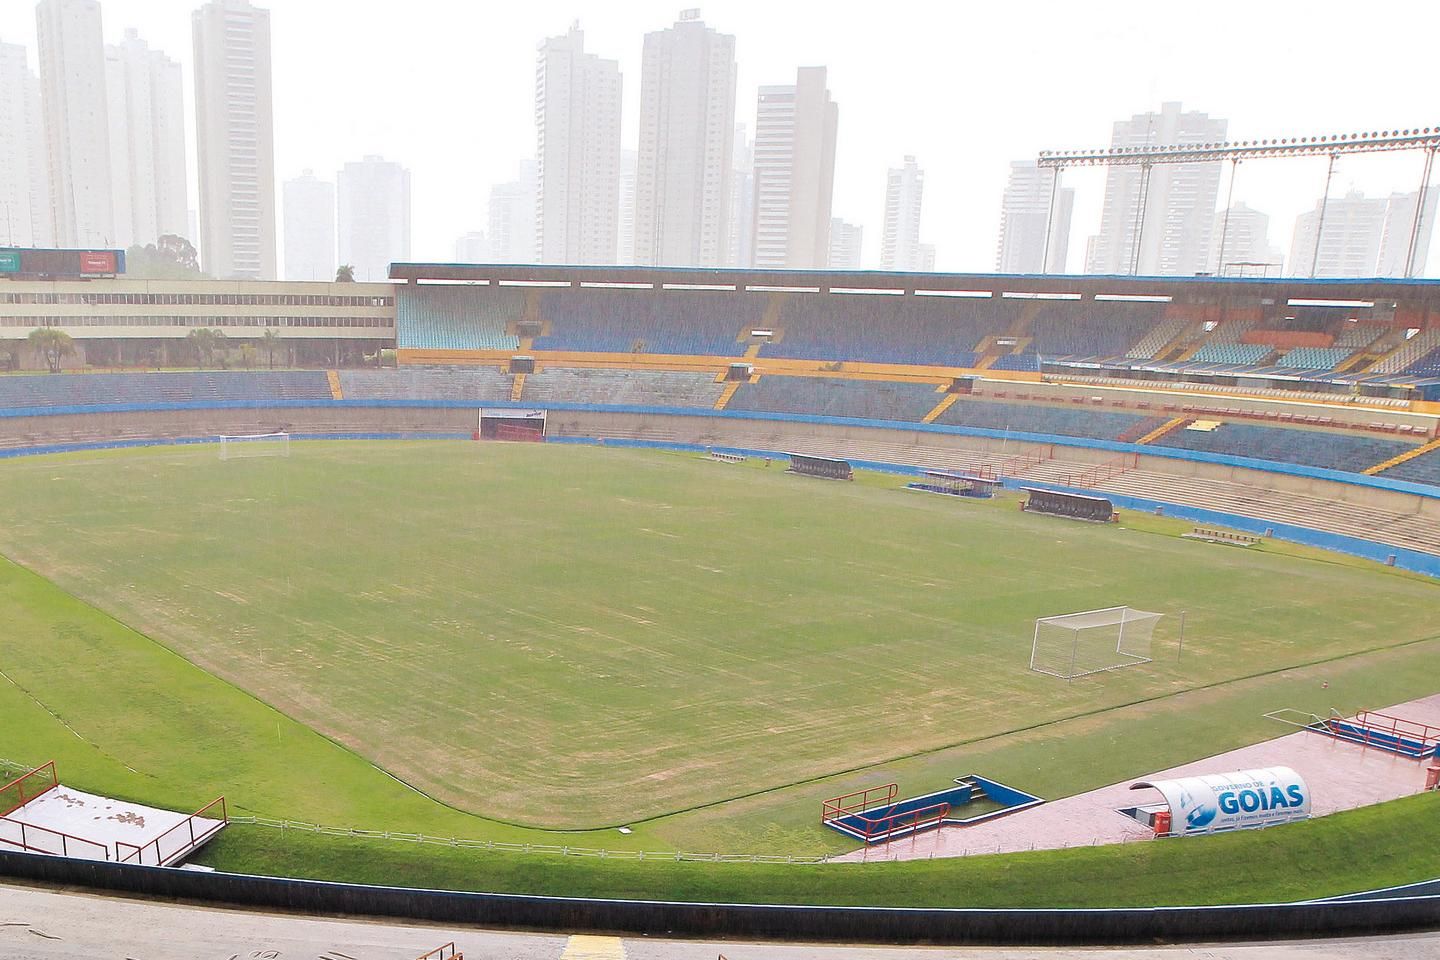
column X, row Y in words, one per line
column 35, row 839
column 183, row 832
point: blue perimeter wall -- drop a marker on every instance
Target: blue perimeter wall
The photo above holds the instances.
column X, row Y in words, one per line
column 1369, row 549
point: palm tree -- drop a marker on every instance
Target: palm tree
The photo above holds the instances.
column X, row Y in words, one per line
column 270, row 343
column 205, row 342
column 53, row 345
column 345, row 274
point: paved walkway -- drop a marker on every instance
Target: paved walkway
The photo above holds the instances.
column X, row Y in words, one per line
column 45, row 924
column 1341, row 776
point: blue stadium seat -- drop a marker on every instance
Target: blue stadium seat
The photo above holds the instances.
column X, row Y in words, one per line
column 1232, row 353
column 1422, row 469
column 1314, row 448
column 456, row 317
column 940, row 331
column 1036, row 418
column 427, row 383
column 684, row 322
column 1314, row 358
column 1092, row 330
column 1426, row 366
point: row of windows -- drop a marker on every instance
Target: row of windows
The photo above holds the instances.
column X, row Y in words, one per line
column 200, row 299
column 381, row 323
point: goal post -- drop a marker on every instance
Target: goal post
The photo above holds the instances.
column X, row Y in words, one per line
column 1093, row 641
column 233, row 447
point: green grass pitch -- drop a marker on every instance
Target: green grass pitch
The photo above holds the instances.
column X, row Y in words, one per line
column 570, row 637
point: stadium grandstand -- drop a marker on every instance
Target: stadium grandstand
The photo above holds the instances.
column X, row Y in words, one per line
column 1267, row 399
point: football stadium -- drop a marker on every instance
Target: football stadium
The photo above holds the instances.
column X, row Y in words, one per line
column 904, row 590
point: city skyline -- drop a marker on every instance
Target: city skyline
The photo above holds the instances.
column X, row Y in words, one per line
column 965, row 179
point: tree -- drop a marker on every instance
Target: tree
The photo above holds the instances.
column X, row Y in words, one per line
column 345, row 273
column 247, row 355
column 53, row 345
column 270, row 343
column 205, row 343
column 170, row 258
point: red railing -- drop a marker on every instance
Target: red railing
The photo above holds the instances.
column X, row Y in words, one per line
column 22, row 790
column 837, row 807
column 1107, row 470
column 910, row 820
column 1025, row 461
column 1388, row 731
column 446, row 951
column 33, row 839
column 183, row 836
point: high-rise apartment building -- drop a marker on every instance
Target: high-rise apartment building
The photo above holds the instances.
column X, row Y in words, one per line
column 147, row 142
column 373, row 216
column 1401, row 231
column 24, row 182
column 472, row 247
column 1242, row 245
column 309, row 228
column 900, row 241
column 512, row 218
column 795, row 129
column 76, row 120
column 577, row 122
column 625, row 236
column 742, row 200
column 1360, row 236
column 687, row 122
column 235, row 139
column 847, row 242
column 1172, row 235
column 1033, row 203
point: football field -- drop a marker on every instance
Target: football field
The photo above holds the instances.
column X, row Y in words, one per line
column 573, row 637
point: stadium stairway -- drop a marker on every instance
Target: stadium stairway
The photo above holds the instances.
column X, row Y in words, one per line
column 1142, row 429
column 946, row 402
column 517, row 388
column 727, row 393
column 1165, row 429
column 335, row 392
column 1405, row 457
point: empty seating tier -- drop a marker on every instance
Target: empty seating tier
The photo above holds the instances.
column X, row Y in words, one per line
column 1101, row 329
column 1422, row 469
column 680, row 322
column 89, row 389
column 1035, row 418
column 1313, row 448
column 1231, row 353
column 450, row 317
column 939, row 331
column 830, row 397
column 650, row 388
column 1314, row 358
column 483, row 384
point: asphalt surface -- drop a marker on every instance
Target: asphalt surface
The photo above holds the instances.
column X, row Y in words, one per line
column 46, row 924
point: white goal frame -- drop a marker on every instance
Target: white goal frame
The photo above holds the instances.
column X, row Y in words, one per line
column 236, row 446
column 1139, row 624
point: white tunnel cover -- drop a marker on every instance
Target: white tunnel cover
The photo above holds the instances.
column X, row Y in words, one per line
column 1232, row 801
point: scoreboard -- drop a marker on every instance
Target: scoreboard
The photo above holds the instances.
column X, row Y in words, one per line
column 56, row 264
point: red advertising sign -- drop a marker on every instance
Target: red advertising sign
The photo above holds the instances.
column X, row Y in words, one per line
column 97, row 261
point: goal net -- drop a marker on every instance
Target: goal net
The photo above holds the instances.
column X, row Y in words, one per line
column 254, row 445
column 1079, row 644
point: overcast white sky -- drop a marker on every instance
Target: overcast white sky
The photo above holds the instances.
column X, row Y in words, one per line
column 447, row 88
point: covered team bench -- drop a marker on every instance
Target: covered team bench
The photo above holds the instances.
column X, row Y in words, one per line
column 1078, row 506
